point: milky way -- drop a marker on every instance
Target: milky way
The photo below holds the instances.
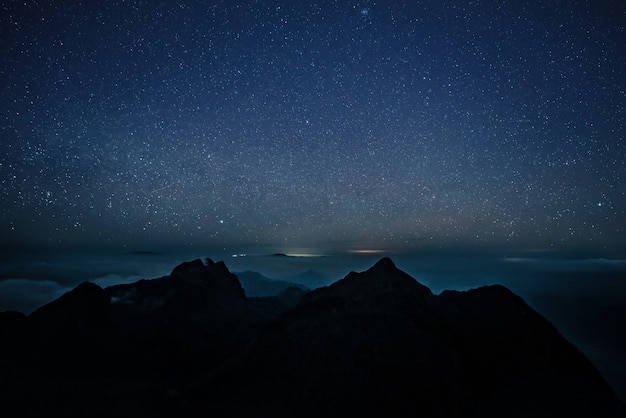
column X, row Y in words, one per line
column 338, row 125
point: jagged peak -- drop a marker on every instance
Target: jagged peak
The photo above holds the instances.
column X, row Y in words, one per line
column 187, row 267
column 199, row 266
column 218, row 266
column 208, row 273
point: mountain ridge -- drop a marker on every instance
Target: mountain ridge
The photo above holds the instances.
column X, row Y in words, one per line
column 374, row 343
column 379, row 343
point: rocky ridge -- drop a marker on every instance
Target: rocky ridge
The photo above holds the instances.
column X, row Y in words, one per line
column 376, row 343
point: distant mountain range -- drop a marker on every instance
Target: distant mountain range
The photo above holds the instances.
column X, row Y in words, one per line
column 376, row 343
column 309, row 278
column 258, row 285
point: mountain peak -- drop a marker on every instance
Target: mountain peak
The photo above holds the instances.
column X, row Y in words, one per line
column 193, row 286
column 383, row 281
column 385, row 273
column 384, row 263
column 392, row 348
column 82, row 311
column 84, row 296
column 189, row 268
column 376, row 343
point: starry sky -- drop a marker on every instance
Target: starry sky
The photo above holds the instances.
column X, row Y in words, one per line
column 322, row 126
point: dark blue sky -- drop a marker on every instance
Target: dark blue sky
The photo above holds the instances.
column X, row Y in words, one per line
column 322, row 126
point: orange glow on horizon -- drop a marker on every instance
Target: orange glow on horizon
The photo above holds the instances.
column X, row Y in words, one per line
column 367, row 251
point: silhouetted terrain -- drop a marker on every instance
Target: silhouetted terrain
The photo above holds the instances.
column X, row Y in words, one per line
column 375, row 343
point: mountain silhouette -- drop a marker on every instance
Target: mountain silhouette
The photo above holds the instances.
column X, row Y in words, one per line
column 376, row 343
column 198, row 296
column 127, row 345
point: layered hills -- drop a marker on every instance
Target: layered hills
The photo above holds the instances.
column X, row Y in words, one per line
column 376, row 343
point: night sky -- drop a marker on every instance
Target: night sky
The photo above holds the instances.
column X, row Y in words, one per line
column 319, row 126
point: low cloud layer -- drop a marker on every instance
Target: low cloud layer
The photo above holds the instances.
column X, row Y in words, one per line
column 26, row 295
